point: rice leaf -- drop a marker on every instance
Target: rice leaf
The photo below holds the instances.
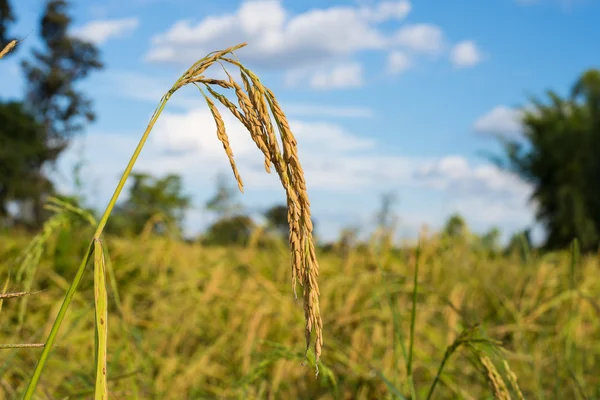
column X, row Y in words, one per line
column 100, row 301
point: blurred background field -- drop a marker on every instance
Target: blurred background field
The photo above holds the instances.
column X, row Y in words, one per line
column 193, row 321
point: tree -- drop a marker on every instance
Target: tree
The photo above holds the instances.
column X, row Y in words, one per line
column 23, row 151
column 277, row 219
column 232, row 225
column 224, row 201
column 6, row 19
column 348, row 240
column 455, row 226
column 490, row 241
column 51, row 78
column 386, row 218
column 234, row 229
column 519, row 242
column 558, row 155
column 150, row 198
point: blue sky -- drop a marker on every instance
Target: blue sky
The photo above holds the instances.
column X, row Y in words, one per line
column 382, row 96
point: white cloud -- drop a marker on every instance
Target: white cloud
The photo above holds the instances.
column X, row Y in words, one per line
column 194, row 132
column 192, row 136
column 337, row 164
column 485, row 195
column 422, row 38
column 305, row 44
column 506, row 215
column 465, row 54
column 329, row 137
column 340, row 76
column 454, row 173
column 501, row 120
column 279, row 39
column 398, row 62
column 99, row 31
column 386, row 10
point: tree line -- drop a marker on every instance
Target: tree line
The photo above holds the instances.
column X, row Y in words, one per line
column 557, row 152
column 36, row 130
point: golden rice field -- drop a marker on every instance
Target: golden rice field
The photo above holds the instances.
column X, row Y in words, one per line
column 193, row 322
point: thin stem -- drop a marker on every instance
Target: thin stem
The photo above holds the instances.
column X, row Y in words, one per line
column 81, row 270
column 413, row 316
column 130, row 165
column 439, row 371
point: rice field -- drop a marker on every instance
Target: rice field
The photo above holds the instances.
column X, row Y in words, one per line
column 187, row 321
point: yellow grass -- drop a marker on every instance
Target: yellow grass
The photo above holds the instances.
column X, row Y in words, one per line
column 101, row 308
column 199, row 322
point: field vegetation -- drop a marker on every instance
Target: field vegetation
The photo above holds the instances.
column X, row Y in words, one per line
column 187, row 320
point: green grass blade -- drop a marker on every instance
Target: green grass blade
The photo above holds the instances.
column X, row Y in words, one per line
column 396, row 317
column 574, row 262
column 447, row 355
column 466, row 338
column 525, row 249
column 112, row 277
column 100, row 299
column 413, row 317
column 56, row 326
column 391, row 387
column 572, row 320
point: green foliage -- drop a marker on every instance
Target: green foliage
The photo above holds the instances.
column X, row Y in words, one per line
column 51, row 77
column 232, row 227
column 53, row 73
column 456, row 232
column 224, row 203
column 455, row 226
column 277, row 219
column 520, row 242
column 6, row 19
column 229, row 230
column 23, row 152
column 560, row 158
column 491, row 240
column 386, row 218
column 158, row 201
